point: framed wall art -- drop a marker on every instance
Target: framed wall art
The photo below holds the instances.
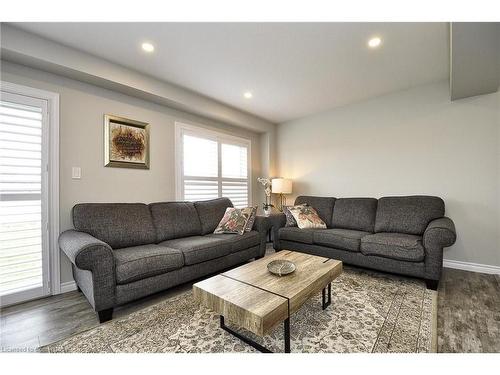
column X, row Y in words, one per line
column 126, row 143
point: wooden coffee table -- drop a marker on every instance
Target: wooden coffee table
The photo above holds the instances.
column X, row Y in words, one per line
column 256, row 300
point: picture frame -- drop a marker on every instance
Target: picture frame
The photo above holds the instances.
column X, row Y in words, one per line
column 126, row 143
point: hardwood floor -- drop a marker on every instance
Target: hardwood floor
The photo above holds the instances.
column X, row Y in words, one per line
column 468, row 315
column 469, row 312
column 27, row 326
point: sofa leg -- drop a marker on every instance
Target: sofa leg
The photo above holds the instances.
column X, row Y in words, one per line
column 105, row 315
column 432, row 284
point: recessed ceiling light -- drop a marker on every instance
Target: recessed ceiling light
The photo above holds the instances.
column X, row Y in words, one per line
column 248, row 95
column 148, row 47
column 374, row 42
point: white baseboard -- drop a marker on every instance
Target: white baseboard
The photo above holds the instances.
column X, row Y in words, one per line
column 68, row 286
column 473, row 267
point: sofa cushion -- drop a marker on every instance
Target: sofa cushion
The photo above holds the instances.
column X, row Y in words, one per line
column 297, row 234
column 239, row 242
column 117, row 224
column 409, row 215
column 398, row 246
column 211, row 212
column 198, row 249
column 322, row 205
column 175, row 220
column 344, row 239
column 355, row 213
column 139, row 262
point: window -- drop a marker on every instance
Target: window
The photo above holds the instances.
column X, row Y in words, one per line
column 25, row 236
column 211, row 165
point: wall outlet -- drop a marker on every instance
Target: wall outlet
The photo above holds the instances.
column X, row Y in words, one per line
column 76, row 173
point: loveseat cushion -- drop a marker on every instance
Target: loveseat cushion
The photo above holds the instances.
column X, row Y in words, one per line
column 297, row 235
column 322, row 205
column 139, row 262
column 198, row 249
column 211, row 212
column 398, row 246
column 118, row 224
column 344, row 239
column 409, row 214
column 239, row 242
column 355, row 213
column 175, row 220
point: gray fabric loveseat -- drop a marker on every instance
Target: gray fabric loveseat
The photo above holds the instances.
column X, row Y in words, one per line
column 404, row 235
column 124, row 251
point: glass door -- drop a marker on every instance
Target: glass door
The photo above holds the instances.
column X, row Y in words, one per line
column 24, row 260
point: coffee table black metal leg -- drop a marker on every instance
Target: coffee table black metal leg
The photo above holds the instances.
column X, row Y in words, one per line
column 287, row 335
column 326, row 302
column 245, row 339
column 254, row 344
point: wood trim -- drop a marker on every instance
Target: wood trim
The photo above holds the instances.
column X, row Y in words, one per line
column 26, row 296
column 472, row 267
column 68, row 286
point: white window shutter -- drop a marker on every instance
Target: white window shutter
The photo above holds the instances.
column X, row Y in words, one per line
column 214, row 166
column 20, row 197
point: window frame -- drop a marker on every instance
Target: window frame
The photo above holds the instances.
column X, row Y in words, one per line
column 182, row 129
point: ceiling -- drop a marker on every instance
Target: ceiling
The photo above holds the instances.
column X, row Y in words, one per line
column 292, row 69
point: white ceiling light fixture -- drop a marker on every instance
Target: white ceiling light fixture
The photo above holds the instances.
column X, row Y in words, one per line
column 374, row 42
column 148, row 47
column 248, row 95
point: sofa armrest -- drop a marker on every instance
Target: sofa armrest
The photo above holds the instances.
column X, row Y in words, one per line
column 94, row 266
column 81, row 248
column 277, row 221
column 262, row 226
column 440, row 233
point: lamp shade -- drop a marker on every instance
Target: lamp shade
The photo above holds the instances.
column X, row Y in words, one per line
column 281, row 186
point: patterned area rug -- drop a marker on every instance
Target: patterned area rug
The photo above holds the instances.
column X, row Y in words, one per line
column 370, row 312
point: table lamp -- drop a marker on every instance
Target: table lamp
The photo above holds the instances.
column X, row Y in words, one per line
column 281, row 186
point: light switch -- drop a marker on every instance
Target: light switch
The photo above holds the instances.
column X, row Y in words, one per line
column 76, row 173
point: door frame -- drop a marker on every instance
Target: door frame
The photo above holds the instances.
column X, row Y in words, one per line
column 52, row 168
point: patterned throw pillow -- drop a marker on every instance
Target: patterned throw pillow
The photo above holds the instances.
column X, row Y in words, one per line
column 251, row 219
column 290, row 220
column 306, row 217
column 234, row 220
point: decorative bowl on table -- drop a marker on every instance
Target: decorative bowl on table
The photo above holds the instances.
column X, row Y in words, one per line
column 281, row 267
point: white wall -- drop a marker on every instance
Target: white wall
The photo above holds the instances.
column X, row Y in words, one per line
column 82, row 107
column 410, row 142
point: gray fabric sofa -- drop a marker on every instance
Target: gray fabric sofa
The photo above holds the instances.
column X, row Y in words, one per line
column 403, row 235
column 124, row 251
